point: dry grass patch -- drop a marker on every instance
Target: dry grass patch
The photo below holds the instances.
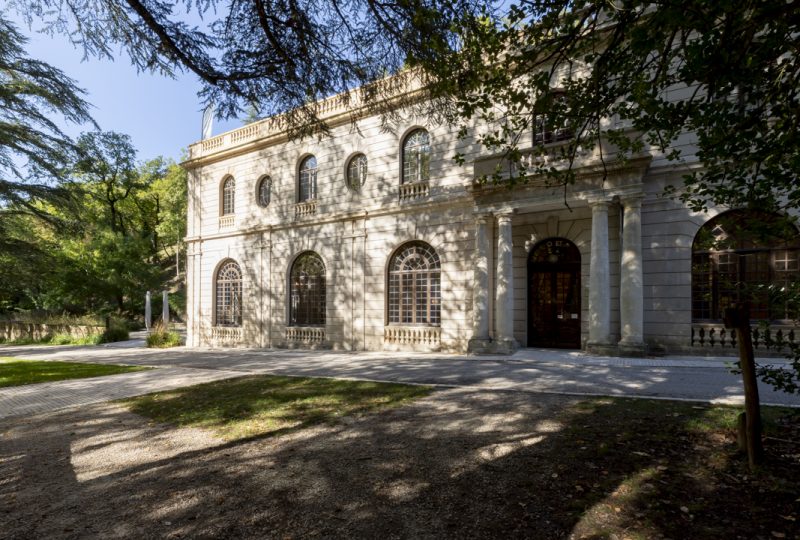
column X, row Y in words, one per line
column 268, row 405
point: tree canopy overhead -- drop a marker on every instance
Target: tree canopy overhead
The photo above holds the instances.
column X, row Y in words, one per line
column 34, row 150
column 275, row 54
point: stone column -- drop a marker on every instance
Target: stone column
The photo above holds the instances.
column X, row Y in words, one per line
column 599, row 281
column 480, row 296
column 504, row 306
column 631, row 296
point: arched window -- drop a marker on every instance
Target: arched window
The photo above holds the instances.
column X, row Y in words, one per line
column 414, row 285
column 264, row 191
column 228, row 196
column 307, row 182
column 416, row 157
column 307, row 286
column 356, row 172
column 736, row 257
column 228, row 295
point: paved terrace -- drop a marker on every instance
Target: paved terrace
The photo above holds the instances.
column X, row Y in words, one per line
column 529, row 370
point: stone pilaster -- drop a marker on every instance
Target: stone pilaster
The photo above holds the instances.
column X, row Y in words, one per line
column 480, row 296
column 631, row 296
column 504, row 306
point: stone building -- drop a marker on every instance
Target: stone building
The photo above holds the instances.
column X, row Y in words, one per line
column 374, row 238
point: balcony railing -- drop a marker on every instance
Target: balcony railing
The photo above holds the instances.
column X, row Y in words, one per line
column 414, row 190
column 226, row 222
column 305, row 208
column 305, row 334
column 425, row 336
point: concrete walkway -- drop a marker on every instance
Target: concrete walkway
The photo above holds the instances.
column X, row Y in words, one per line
column 529, row 370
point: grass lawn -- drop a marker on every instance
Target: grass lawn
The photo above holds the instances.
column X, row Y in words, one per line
column 653, row 469
column 16, row 372
column 268, row 405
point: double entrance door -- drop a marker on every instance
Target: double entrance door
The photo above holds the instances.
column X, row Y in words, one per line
column 554, row 295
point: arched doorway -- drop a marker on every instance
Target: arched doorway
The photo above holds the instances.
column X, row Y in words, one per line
column 554, row 294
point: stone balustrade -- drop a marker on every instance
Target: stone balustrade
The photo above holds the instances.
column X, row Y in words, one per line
column 305, row 334
column 226, row 222
column 227, row 334
column 426, row 337
column 715, row 335
column 305, row 208
column 414, row 190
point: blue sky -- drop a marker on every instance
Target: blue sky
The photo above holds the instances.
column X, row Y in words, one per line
column 162, row 115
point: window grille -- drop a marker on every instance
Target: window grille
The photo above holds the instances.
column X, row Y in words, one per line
column 307, row 291
column 264, row 191
column 550, row 121
column 356, row 172
column 228, row 287
column 416, row 157
column 308, row 179
column 415, row 285
column 228, row 196
column 739, row 256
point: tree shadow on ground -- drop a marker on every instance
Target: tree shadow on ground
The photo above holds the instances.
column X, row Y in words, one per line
column 455, row 464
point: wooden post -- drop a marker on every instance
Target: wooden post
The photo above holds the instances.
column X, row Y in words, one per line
column 738, row 318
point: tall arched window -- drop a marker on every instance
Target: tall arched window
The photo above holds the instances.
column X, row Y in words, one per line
column 307, row 181
column 228, row 295
column 416, row 157
column 228, row 195
column 415, row 285
column 307, row 290
column 737, row 256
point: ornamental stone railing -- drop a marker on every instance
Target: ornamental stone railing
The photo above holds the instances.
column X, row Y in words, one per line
column 305, row 208
column 426, row 337
column 227, row 334
column 414, row 190
column 226, row 222
column 715, row 335
column 307, row 335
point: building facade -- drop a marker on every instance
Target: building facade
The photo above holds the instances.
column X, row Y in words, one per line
column 374, row 238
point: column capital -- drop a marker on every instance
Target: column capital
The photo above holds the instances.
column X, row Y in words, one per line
column 482, row 217
column 599, row 204
column 631, row 201
column 504, row 217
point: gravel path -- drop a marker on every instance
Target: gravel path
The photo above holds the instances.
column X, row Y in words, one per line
column 445, row 466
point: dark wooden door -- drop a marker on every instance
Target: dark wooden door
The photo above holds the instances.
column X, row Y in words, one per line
column 554, row 295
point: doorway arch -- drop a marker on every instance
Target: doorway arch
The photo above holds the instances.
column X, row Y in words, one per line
column 554, row 294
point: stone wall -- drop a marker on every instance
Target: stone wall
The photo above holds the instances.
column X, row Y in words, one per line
column 11, row 331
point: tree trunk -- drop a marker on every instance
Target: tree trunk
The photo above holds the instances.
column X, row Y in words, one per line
column 739, row 318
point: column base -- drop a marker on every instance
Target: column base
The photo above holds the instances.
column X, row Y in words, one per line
column 632, row 348
column 480, row 346
column 504, row 346
column 602, row 348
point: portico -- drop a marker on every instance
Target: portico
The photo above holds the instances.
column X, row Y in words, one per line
column 517, row 300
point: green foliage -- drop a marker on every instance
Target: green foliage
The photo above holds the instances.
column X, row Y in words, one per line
column 116, row 332
column 127, row 236
column 161, row 337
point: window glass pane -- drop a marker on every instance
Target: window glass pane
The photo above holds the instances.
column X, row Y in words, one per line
column 416, row 157
column 264, row 191
column 308, row 179
column 228, row 285
column 414, row 285
column 307, row 291
column 357, row 172
column 743, row 256
column 228, row 196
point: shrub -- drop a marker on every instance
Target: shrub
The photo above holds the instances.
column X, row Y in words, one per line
column 161, row 338
column 115, row 332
